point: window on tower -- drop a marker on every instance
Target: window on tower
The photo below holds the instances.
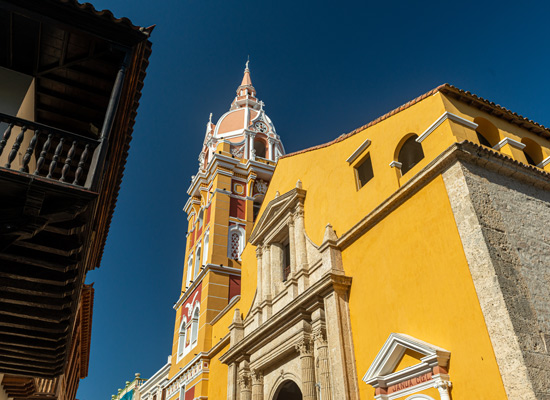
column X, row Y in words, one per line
column 195, row 326
column 189, row 271
column 181, row 339
column 201, row 217
column 236, row 242
column 197, row 261
column 259, row 148
column 286, row 261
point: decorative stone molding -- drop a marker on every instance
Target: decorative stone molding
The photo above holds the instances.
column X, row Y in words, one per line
column 446, row 115
column 358, row 151
column 396, row 164
column 431, row 371
column 509, row 141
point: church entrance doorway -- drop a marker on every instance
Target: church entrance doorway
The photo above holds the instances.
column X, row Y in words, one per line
column 288, row 390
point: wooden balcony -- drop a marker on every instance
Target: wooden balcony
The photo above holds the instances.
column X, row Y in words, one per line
column 60, row 172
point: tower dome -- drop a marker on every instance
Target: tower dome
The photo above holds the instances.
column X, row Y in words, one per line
column 246, row 127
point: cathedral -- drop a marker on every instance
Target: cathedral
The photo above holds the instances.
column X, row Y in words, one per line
column 407, row 259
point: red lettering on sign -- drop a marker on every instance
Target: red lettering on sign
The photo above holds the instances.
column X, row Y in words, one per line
column 410, row 382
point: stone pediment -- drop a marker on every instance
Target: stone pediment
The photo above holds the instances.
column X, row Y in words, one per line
column 405, row 365
column 276, row 210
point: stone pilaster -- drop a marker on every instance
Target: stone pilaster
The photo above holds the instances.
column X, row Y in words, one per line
column 232, row 385
column 300, row 249
column 259, row 294
column 308, row 369
column 292, row 244
column 257, row 385
column 323, row 367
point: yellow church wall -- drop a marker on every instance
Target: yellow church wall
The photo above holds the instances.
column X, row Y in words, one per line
column 422, row 288
column 217, row 387
column 409, row 358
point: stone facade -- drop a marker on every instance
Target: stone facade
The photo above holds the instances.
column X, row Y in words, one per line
column 502, row 218
column 299, row 327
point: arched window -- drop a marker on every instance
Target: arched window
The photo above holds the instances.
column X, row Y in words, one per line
column 195, row 326
column 236, row 242
column 410, row 154
column 181, row 339
column 486, row 132
column 205, row 251
column 189, row 270
column 259, row 147
column 197, row 261
column 533, row 151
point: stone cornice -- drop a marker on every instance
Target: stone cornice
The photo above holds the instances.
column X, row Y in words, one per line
column 286, row 316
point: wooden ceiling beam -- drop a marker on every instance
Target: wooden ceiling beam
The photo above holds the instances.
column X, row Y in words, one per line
column 30, row 346
column 48, row 279
column 34, row 299
column 29, row 370
column 29, row 335
column 60, row 265
column 76, row 85
column 48, row 248
column 33, row 314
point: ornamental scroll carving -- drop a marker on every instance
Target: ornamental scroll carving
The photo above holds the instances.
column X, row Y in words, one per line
column 260, row 186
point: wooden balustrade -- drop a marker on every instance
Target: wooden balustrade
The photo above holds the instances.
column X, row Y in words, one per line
column 46, row 152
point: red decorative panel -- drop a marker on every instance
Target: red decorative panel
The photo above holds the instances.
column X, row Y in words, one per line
column 234, row 286
column 236, row 208
column 190, row 394
column 208, row 214
column 191, row 239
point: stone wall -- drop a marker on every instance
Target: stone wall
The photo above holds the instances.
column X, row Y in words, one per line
column 504, row 224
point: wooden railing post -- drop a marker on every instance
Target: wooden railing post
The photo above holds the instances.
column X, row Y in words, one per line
column 100, row 153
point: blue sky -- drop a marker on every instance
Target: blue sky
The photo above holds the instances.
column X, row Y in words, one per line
column 322, row 68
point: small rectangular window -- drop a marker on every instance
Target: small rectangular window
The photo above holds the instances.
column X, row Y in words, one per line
column 363, row 172
column 286, row 261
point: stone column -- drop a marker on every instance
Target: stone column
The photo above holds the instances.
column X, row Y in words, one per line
column 245, row 386
column 321, row 349
column 308, row 369
column 443, row 386
column 257, row 385
column 271, row 142
column 251, row 136
column 259, row 295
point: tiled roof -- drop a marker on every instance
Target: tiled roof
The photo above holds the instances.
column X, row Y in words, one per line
column 106, row 15
column 461, row 95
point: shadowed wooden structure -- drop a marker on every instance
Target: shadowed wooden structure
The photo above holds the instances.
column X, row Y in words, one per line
column 60, row 173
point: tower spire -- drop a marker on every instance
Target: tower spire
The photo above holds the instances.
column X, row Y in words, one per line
column 246, row 78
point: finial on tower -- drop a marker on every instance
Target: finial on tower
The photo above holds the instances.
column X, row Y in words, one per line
column 210, row 119
column 247, row 61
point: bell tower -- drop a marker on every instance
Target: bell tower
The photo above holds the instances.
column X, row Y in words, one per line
column 236, row 162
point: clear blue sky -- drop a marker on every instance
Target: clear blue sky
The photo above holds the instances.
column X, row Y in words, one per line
column 323, row 68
